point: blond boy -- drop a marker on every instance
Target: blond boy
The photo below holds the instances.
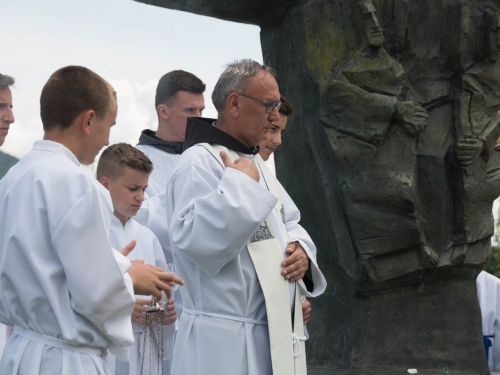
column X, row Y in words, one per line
column 124, row 171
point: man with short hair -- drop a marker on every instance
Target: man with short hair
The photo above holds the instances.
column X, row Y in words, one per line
column 67, row 293
column 235, row 236
column 179, row 95
column 6, row 114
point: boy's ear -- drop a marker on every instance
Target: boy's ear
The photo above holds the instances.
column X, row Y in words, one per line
column 104, row 182
column 87, row 120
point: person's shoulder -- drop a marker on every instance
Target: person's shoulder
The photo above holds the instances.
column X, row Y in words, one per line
column 140, row 229
column 487, row 279
column 49, row 168
column 143, row 234
column 197, row 155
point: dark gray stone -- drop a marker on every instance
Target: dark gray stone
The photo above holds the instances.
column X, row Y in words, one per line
column 399, row 209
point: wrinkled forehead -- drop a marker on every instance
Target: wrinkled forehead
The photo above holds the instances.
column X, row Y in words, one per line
column 264, row 84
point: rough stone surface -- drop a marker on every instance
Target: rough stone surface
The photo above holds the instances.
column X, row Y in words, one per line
column 400, row 209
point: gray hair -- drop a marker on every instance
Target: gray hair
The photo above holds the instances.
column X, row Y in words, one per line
column 235, row 79
column 5, row 81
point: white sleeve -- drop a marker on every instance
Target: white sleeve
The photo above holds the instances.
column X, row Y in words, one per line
column 153, row 215
column 297, row 233
column 496, row 325
column 99, row 286
column 168, row 340
column 213, row 219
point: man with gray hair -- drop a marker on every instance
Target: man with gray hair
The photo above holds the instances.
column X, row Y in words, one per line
column 6, row 114
column 235, row 238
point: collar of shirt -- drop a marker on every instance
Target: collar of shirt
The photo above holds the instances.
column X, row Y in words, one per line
column 56, row 147
column 149, row 138
column 201, row 130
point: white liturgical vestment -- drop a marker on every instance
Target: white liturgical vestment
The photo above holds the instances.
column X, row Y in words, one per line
column 163, row 164
column 147, row 248
column 62, row 286
column 488, row 293
column 213, row 213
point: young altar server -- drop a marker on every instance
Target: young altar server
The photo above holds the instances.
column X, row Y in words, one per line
column 231, row 227
column 64, row 289
column 124, row 171
column 266, row 149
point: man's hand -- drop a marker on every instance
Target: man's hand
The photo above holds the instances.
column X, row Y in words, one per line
column 467, row 150
column 151, row 280
column 296, row 264
column 241, row 164
column 147, row 279
column 411, row 117
column 170, row 313
column 138, row 315
column 306, row 311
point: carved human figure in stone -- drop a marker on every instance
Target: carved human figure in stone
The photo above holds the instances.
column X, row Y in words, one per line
column 372, row 125
column 477, row 131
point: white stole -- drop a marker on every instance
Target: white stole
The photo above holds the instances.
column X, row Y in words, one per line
column 288, row 354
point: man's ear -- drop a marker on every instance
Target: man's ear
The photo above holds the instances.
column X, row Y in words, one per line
column 163, row 111
column 87, row 120
column 104, row 182
column 233, row 105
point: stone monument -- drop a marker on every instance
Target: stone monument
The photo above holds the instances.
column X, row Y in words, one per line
column 396, row 104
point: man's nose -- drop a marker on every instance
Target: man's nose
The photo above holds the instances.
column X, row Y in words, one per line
column 274, row 115
column 9, row 117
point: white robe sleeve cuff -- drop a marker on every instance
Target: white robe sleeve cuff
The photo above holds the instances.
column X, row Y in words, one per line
column 317, row 276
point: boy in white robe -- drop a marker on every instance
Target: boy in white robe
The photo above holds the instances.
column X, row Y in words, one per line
column 124, row 171
column 215, row 208
column 67, row 293
column 266, row 149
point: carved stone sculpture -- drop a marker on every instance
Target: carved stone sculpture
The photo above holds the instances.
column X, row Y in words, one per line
column 372, row 123
column 476, row 133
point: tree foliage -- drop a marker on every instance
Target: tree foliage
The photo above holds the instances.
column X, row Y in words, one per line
column 493, row 266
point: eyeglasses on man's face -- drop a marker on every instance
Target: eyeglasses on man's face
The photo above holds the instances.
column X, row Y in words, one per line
column 270, row 104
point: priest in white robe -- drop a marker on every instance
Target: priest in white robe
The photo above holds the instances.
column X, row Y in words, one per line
column 218, row 208
column 67, row 293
